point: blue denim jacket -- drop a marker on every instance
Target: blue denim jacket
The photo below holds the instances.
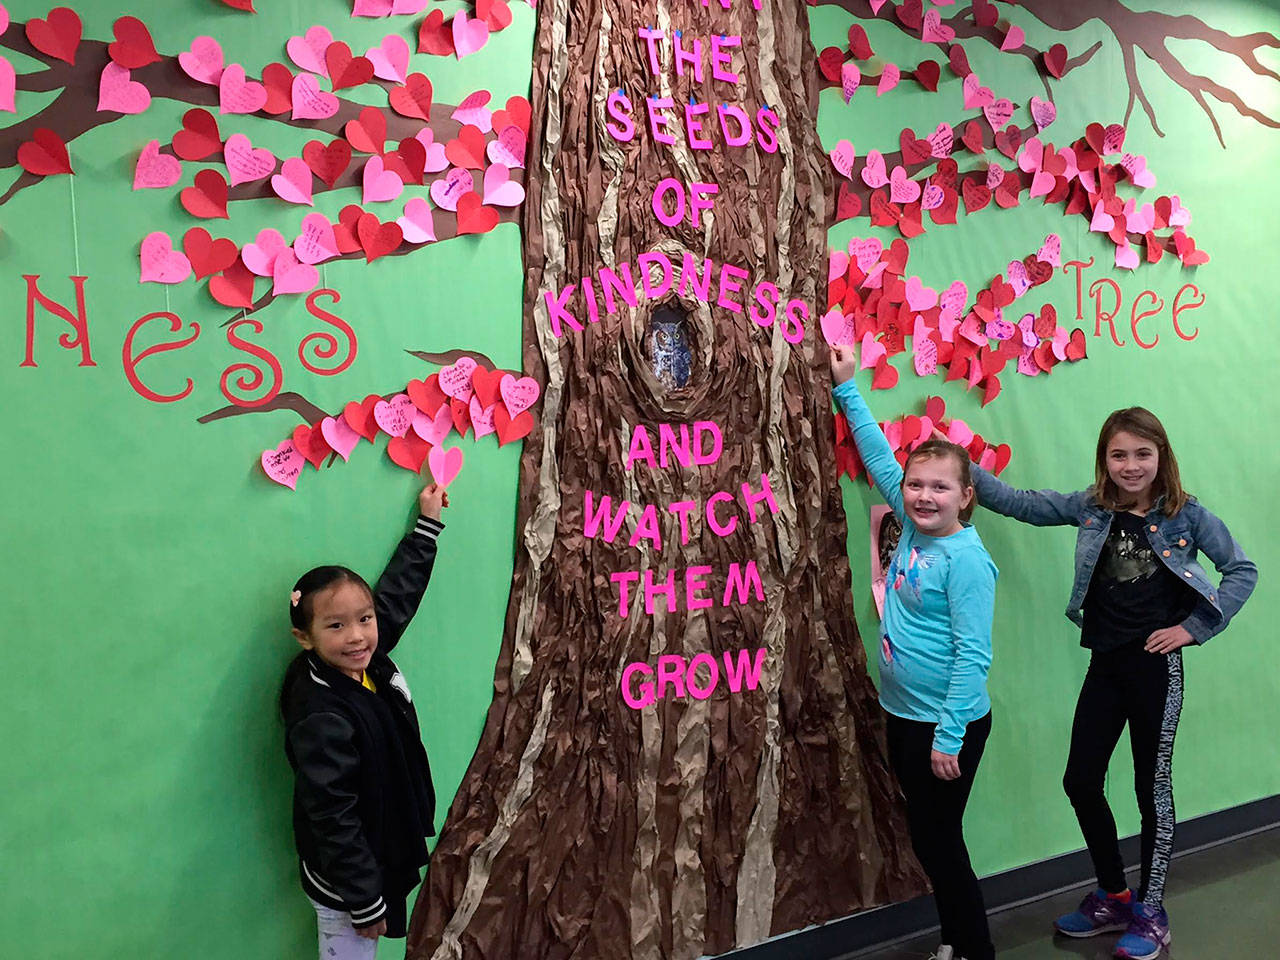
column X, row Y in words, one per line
column 1176, row 540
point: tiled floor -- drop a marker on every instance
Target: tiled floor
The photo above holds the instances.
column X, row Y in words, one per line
column 1223, row 903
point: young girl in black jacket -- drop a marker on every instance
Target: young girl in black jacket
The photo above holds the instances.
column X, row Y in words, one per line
column 363, row 802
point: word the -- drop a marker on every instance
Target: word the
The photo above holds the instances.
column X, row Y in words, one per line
column 682, row 676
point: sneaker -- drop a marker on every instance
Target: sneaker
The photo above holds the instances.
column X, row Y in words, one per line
column 1147, row 935
column 1097, row 913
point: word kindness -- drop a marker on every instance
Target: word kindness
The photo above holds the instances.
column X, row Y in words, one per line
column 686, row 447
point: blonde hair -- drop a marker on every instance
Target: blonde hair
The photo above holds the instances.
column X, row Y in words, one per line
column 1140, row 422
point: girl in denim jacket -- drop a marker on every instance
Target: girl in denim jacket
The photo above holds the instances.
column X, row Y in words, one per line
column 1139, row 597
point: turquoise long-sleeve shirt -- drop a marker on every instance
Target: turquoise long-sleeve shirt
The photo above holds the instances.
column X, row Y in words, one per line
column 935, row 637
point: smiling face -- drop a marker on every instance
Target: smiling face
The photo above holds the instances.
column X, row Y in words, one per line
column 344, row 629
column 933, row 495
column 1132, row 464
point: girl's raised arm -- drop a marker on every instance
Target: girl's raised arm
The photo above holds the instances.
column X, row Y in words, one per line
column 877, row 455
column 399, row 590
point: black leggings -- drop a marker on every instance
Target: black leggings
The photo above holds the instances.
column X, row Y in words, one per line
column 1142, row 689
column 935, row 811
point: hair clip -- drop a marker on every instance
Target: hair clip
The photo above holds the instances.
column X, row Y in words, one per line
column 295, row 597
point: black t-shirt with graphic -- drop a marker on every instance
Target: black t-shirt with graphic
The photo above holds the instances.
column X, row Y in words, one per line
column 1132, row 592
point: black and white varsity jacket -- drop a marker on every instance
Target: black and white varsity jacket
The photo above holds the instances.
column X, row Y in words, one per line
column 363, row 800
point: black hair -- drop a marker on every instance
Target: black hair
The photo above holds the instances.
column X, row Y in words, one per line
column 300, row 612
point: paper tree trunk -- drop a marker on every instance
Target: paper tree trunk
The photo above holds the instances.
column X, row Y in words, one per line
column 585, row 828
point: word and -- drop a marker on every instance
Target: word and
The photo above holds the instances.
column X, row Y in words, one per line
column 684, row 678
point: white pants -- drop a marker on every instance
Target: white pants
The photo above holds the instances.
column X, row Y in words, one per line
column 338, row 938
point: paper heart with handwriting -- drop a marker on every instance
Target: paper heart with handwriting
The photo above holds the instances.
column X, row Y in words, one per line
column 417, row 224
column 118, row 94
column 155, row 169
column 390, row 58
column 246, row 163
column 874, row 174
column 316, row 242
column 283, row 464
column 160, row 262
column 260, row 255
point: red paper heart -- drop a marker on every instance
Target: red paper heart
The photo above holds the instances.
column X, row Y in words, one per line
column 1055, row 60
column 133, row 47
column 435, row 36
column 368, row 132
column 58, row 36
column 199, row 135
column 959, row 61
column 327, row 162
column 474, row 216
column 408, row 451
column 972, row 137
column 859, row 45
column 207, row 255
column 1076, row 346
column 914, row 150
column 495, row 13
column 234, row 286
column 509, row 429
column 207, row 199
column 426, row 394
column 927, row 74
column 359, row 416
column 467, row 149
column 344, row 69
column 976, row 195
column 44, row 154
column 517, row 113
column 278, row 80
column 310, row 442
column 414, row 98
column 378, row 239
column 830, row 63
column 848, row 203
column 886, row 375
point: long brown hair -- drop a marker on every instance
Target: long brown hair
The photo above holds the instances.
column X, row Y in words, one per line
column 1140, row 422
column 938, row 449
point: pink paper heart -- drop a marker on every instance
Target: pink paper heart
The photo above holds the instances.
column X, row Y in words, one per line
column 436, row 427
column 482, row 418
column 117, row 93
column 519, row 395
column 474, row 110
column 509, row 148
column 390, row 58
column 293, row 182
column 395, row 416
column 920, row 297
column 1043, row 112
column 468, row 35
column 446, row 191
column 245, row 163
column 942, row 141
column 444, row 464
column 873, row 172
column 8, row 86
column 379, row 183
column 155, row 169
column 308, row 50
column 933, row 30
column 436, row 159
column 455, row 380
column 316, row 242
column 838, row 329
column 902, row 189
column 203, row 62
column 890, row 76
column 872, row 351
column 309, row 101
column 284, row 464
column 238, row 95
column 417, row 224
column 1051, row 250
column 160, row 262
column 850, row 79
column 842, row 157
column 338, row 434
column 998, row 113
column 260, row 255
column 290, row 276
column 1014, row 39
column 500, row 190
column 1127, row 257
column 976, row 95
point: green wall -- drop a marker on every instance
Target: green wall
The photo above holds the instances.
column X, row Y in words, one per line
column 146, row 807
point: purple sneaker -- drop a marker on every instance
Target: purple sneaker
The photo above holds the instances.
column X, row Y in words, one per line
column 1096, row 914
column 1147, row 935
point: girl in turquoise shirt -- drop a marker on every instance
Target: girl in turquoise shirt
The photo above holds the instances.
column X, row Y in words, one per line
column 935, row 650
